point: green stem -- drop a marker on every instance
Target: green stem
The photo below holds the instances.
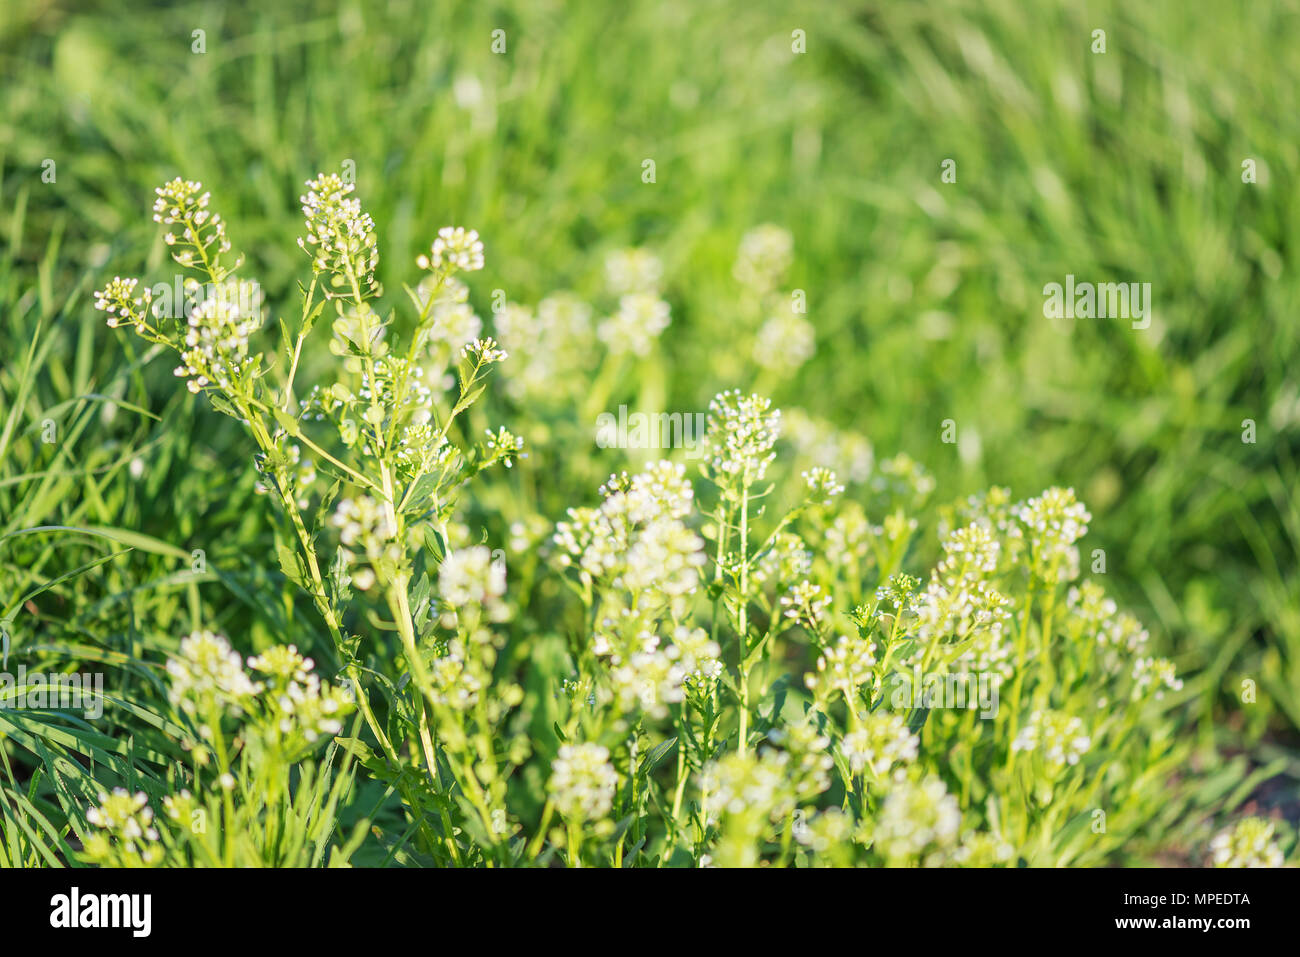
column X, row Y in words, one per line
column 743, row 621
column 1022, row 640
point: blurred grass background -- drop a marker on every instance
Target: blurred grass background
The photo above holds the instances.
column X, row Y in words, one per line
column 927, row 297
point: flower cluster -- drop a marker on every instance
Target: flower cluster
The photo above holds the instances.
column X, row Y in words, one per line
column 503, row 446
column 633, row 271
column 743, row 794
column 636, row 540
column 301, row 704
column 640, row 319
column 1061, row 738
column 696, row 654
column 766, row 253
column 455, row 685
column 844, row 667
column 741, row 433
column 918, row 820
column 849, row 538
column 128, row 835
column 1248, row 843
column 121, row 303
column 202, row 239
column 453, row 328
column 785, row 563
column 784, row 343
column 960, row 605
column 366, row 525
column 823, row 485
column 208, row 682
column 809, row 748
column 216, row 344
column 208, row 673
column 550, row 345
column 1054, row 521
column 879, row 743
column 1093, row 618
column 583, row 782
column 1154, row 676
column 484, row 351
column 455, row 249
column 899, row 593
column 340, row 237
column 646, row 677
column 807, row 604
column 472, row 578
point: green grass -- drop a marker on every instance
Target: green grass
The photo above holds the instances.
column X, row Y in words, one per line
column 926, row 296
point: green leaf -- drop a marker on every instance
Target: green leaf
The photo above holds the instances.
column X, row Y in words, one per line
column 291, row 565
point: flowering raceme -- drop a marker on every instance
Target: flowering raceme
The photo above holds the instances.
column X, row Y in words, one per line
column 741, row 433
column 340, row 238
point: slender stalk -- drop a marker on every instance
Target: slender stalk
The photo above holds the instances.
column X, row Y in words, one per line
column 743, row 618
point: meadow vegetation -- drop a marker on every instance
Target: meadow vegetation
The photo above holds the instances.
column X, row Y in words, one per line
column 323, row 486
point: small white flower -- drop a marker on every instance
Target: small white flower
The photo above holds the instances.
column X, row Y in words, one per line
column 455, row 249
column 485, row 351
